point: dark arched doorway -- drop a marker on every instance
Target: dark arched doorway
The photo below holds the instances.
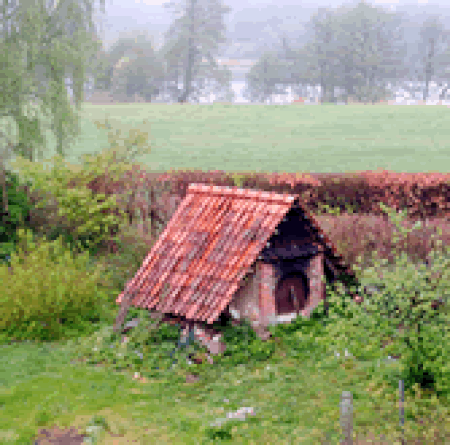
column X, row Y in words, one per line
column 291, row 294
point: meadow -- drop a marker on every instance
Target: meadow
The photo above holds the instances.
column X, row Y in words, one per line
column 87, row 378
column 284, row 138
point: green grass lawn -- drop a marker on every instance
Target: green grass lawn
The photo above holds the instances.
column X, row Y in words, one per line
column 285, row 138
column 295, row 395
column 291, row 394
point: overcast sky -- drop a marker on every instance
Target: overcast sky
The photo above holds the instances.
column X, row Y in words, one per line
column 331, row 3
column 292, row 2
column 123, row 16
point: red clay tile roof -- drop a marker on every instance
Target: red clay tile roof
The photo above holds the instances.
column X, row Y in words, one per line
column 215, row 235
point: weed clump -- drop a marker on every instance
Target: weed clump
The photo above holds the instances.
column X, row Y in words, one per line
column 48, row 288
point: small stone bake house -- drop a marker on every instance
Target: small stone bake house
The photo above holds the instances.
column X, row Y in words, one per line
column 244, row 253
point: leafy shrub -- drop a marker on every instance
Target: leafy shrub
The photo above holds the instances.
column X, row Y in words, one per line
column 301, row 334
column 148, row 346
column 403, row 314
column 48, row 287
column 86, row 216
column 19, row 207
column 156, row 349
column 166, row 332
column 243, row 345
column 132, row 248
column 404, row 301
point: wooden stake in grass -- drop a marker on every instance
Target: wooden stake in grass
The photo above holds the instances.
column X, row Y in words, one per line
column 401, row 393
column 347, row 417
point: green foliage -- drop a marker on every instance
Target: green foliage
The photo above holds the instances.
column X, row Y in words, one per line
column 195, row 35
column 220, row 433
column 9, row 137
column 47, row 287
column 242, row 345
column 22, row 122
column 122, row 149
column 148, row 346
column 238, row 179
column 263, row 79
column 132, row 248
column 141, row 73
column 88, row 218
column 336, row 33
column 18, row 209
column 155, row 348
column 84, row 212
column 33, row 121
column 433, row 45
column 301, row 335
column 404, row 302
column 326, row 209
column 166, row 333
column 33, row 43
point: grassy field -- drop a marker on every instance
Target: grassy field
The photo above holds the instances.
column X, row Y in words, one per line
column 285, row 138
column 160, row 411
column 295, row 395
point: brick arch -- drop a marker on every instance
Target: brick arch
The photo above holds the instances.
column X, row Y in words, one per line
column 291, row 294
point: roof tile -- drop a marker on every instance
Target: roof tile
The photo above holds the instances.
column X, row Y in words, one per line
column 214, row 236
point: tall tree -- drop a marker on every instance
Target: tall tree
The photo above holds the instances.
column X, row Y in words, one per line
column 103, row 69
column 265, row 78
column 106, row 62
column 138, row 70
column 192, row 44
column 357, row 48
column 49, row 42
column 287, row 62
column 293, row 67
column 318, row 58
column 371, row 50
column 434, row 53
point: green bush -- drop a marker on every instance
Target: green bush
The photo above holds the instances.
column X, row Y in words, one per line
column 243, row 345
column 18, row 210
column 155, row 350
column 300, row 336
column 404, row 301
column 400, row 314
column 48, row 287
column 132, row 248
column 86, row 217
column 148, row 346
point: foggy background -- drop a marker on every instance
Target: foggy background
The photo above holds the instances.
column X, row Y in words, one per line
column 253, row 27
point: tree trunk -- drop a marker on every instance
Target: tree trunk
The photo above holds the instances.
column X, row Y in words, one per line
column 429, row 69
